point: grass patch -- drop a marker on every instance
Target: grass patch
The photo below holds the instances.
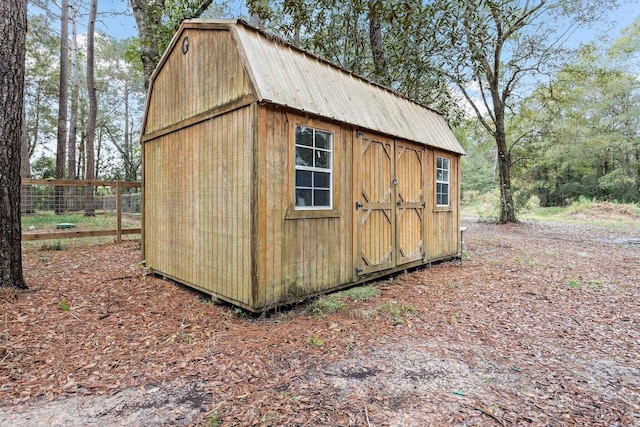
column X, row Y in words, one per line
column 585, row 211
column 339, row 301
column 360, row 293
column 398, row 312
column 328, row 304
column 49, row 220
column 486, row 207
column 54, row 246
column 573, row 283
column 314, row 341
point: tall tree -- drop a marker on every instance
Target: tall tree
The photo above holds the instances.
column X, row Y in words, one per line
column 75, row 89
column 26, row 201
column 41, row 83
column 584, row 133
column 121, row 97
column 62, row 105
column 89, row 209
column 377, row 39
column 489, row 48
column 13, row 29
column 157, row 21
column 73, row 116
column 376, row 42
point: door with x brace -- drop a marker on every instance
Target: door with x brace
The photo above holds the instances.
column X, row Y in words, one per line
column 375, row 205
column 389, row 202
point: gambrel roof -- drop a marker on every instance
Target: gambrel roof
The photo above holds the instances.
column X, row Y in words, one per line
column 283, row 74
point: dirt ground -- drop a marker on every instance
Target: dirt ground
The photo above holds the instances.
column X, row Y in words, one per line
column 539, row 326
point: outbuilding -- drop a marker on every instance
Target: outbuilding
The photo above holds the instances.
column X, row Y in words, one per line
column 272, row 175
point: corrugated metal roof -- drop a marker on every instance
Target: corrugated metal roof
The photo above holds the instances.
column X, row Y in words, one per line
column 288, row 76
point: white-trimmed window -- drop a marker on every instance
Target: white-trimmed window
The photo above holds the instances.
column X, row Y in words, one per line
column 314, row 169
column 442, row 181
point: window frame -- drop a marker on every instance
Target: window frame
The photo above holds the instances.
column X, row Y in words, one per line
column 313, row 169
column 302, row 212
column 439, row 182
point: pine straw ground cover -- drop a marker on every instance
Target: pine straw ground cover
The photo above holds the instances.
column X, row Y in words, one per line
column 540, row 326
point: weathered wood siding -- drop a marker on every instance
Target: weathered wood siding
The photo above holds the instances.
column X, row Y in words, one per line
column 299, row 253
column 374, row 171
column 443, row 225
column 219, row 171
column 198, row 211
column 208, row 75
column 410, row 201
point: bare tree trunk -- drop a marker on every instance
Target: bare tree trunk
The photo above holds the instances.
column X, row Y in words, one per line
column 62, row 106
column 89, row 209
column 638, row 168
column 127, row 141
column 73, row 119
column 13, row 29
column 36, row 122
column 507, row 207
column 381, row 69
column 148, row 15
column 98, row 154
column 81, row 170
column 26, row 205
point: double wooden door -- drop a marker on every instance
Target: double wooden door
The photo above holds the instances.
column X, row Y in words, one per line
column 390, row 201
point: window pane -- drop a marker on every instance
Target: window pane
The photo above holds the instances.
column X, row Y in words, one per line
column 303, row 198
column 323, row 159
column 445, row 175
column 304, row 156
column 439, row 162
column 321, row 180
column 304, row 136
column 323, row 140
column 439, row 175
column 442, row 194
column 303, row 178
column 313, row 168
column 321, row 197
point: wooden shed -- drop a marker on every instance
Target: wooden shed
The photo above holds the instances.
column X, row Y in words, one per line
column 271, row 174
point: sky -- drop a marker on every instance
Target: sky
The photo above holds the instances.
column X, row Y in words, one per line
column 116, row 19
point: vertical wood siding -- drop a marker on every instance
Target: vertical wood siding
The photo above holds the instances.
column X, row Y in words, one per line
column 443, row 229
column 209, row 75
column 410, row 175
column 198, row 205
column 375, row 193
column 299, row 256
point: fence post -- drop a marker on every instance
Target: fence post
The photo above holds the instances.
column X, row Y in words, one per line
column 119, row 211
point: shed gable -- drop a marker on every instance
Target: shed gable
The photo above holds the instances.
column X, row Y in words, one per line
column 200, row 72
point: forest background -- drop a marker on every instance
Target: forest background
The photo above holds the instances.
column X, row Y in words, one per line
column 543, row 95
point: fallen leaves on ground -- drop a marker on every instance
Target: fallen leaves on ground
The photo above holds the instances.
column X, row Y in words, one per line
column 540, row 325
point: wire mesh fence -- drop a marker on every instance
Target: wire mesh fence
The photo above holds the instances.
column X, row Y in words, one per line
column 58, row 209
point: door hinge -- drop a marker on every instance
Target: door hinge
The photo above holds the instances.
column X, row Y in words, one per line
column 359, row 205
column 358, row 270
column 423, row 204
